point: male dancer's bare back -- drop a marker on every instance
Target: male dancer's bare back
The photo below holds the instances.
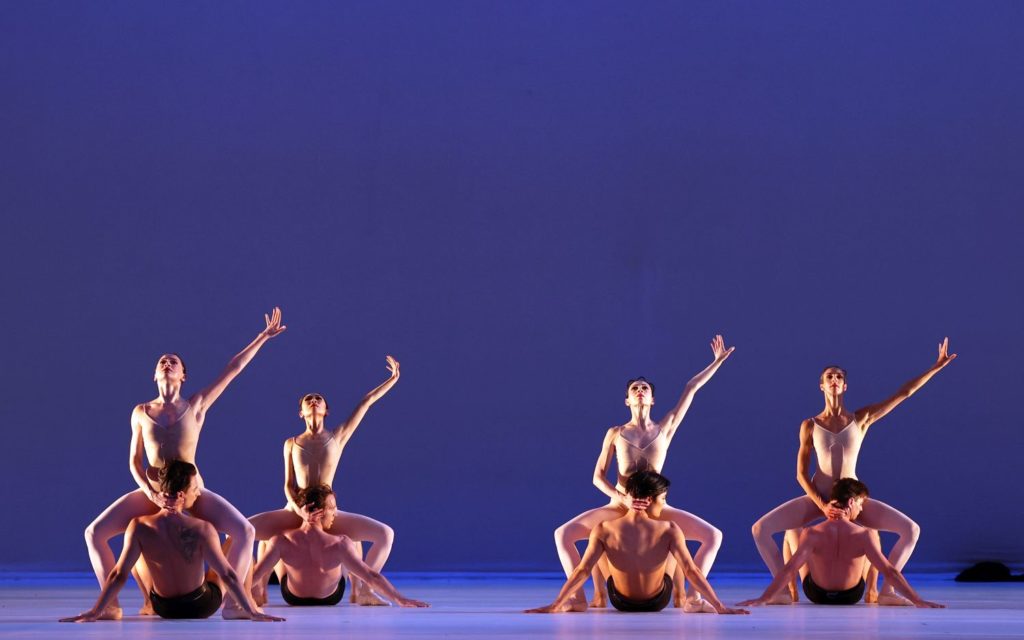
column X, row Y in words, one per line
column 310, row 459
column 637, row 548
column 311, row 560
column 168, row 428
column 836, row 555
column 175, row 548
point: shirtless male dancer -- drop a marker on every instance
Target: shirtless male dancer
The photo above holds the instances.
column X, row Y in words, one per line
column 174, row 546
column 637, row 548
column 168, row 428
column 835, row 435
column 642, row 444
column 311, row 560
column 832, row 557
column 310, row 459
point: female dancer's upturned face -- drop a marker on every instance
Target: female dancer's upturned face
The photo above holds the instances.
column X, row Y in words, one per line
column 833, row 380
column 170, row 368
column 313, row 405
column 639, row 394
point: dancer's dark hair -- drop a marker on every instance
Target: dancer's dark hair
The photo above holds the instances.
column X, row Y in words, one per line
column 175, row 476
column 646, row 484
column 314, row 497
column 846, row 489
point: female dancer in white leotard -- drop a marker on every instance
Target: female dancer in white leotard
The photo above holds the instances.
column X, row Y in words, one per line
column 640, row 444
column 835, row 435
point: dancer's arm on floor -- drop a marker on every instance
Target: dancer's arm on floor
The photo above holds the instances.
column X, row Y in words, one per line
column 789, row 571
column 377, row 582
column 214, row 557
column 347, row 428
column 595, row 549
column 693, row 574
column 604, row 461
column 873, row 413
column 204, row 399
column 116, row 578
column 874, row 554
column 675, row 417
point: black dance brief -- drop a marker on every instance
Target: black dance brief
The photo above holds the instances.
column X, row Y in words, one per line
column 817, row 595
column 656, row 603
column 201, row 603
column 297, row 601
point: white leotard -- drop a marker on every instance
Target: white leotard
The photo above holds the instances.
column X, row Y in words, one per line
column 837, row 454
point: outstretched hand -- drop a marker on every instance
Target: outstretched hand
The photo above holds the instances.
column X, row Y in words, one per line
column 274, row 326
column 724, row 610
column 262, row 617
column 409, row 602
column 945, row 357
column 718, row 348
column 924, row 604
column 392, row 366
column 545, row 609
column 756, row 602
column 88, row 616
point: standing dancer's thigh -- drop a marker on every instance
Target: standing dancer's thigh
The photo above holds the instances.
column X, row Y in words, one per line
column 113, row 521
column 882, row 517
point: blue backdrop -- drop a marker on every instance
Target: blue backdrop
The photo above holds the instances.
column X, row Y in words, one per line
column 526, row 203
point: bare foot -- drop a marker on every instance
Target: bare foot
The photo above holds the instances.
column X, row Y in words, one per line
column 259, row 595
column 232, row 611
column 576, row 605
column 112, row 612
column 697, row 604
column 600, row 600
column 893, row 599
column 871, row 596
column 781, row 598
column 367, row 598
column 147, row 609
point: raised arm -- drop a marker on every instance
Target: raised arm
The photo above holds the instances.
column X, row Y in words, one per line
column 204, row 399
column 604, row 461
column 784, row 577
column 115, row 579
column 215, row 558
column 347, row 428
column 873, row 413
column 803, row 465
column 595, row 549
column 675, row 417
column 693, row 574
column 377, row 582
column 874, row 554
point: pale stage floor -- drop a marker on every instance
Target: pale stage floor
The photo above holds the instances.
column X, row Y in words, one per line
column 488, row 606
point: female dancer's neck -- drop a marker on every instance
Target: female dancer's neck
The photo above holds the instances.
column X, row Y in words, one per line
column 169, row 392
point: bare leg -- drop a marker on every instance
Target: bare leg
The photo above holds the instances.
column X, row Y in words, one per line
column 793, row 514
column 566, row 537
column 144, row 579
column 267, row 525
column 790, row 541
column 710, row 540
column 880, row 516
column 113, row 521
column 379, row 535
column 224, row 517
column 871, row 574
column 600, row 577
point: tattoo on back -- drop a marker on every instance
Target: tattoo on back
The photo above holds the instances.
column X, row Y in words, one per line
column 189, row 542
